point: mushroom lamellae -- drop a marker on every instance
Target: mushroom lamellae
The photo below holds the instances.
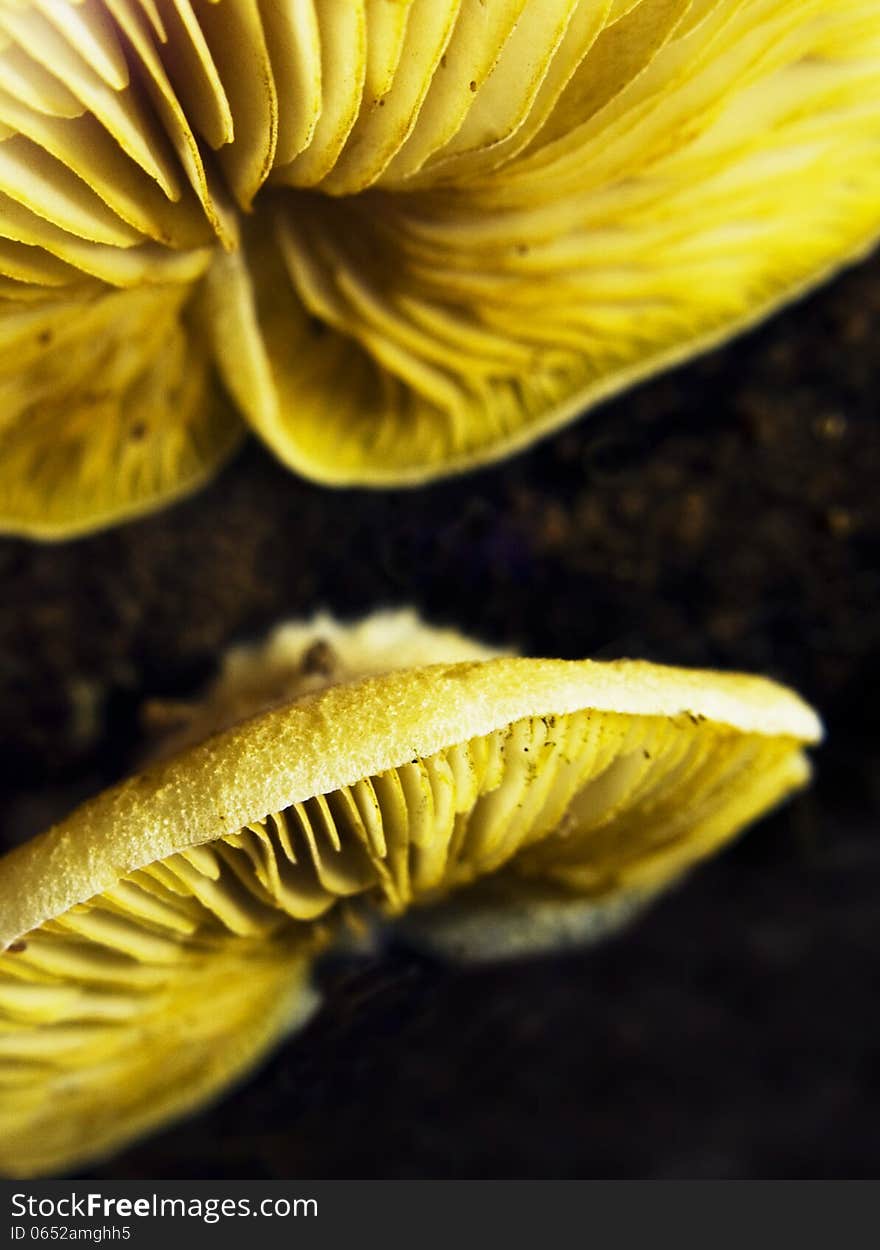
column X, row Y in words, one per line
column 397, row 238
column 158, row 941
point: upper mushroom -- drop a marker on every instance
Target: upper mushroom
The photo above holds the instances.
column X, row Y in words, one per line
column 158, row 941
column 397, row 237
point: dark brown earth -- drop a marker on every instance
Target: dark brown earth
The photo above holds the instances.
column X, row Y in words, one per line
column 727, row 515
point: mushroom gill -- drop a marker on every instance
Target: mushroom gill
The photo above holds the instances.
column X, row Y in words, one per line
column 158, row 941
column 397, row 237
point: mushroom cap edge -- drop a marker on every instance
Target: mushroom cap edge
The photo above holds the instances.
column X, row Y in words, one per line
column 338, row 735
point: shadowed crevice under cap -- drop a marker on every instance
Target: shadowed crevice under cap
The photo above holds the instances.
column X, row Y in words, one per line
column 397, row 238
column 158, row 941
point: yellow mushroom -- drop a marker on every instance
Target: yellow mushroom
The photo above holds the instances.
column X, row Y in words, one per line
column 399, row 238
column 158, row 941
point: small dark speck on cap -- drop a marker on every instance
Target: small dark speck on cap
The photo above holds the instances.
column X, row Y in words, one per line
column 319, row 658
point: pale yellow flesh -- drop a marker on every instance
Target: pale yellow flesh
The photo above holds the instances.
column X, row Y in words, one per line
column 107, row 396
column 129, row 1004
column 431, row 231
column 90, row 1058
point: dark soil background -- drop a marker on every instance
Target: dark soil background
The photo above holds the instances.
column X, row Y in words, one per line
column 723, row 515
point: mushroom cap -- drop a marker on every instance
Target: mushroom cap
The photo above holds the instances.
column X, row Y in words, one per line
column 398, row 237
column 158, row 940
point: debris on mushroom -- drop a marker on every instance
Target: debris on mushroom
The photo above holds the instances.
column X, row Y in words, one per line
column 297, row 658
column 397, row 237
column 158, row 941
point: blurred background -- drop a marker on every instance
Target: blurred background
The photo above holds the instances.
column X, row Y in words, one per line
column 723, row 515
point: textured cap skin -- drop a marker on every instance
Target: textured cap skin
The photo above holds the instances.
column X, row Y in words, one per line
column 157, row 943
column 335, row 737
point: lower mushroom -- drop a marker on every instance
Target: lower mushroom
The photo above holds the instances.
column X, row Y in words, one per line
column 158, row 941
